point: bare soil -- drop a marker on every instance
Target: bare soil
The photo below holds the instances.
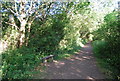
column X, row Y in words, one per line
column 82, row 65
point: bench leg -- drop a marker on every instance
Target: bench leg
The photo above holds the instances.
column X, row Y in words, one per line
column 52, row 59
column 45, row 61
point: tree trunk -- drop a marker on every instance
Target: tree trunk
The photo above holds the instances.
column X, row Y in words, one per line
column 28, row 32
column 22, row 33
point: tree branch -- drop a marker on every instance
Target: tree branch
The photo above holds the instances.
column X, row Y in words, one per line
column 16, row 7
column 12, row 25
column 11, row 10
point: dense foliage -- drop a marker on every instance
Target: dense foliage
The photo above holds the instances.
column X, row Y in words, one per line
column 18, row 63
column 107, row 46
column 58, row 29
column 59, row 34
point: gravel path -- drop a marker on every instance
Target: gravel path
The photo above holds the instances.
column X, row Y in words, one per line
column 82, row 65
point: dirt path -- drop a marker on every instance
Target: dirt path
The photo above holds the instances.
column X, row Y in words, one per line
column 82, row 65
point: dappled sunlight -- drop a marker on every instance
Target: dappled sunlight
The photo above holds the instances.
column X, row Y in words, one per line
column 79, row 58
column 80, row 66
column 76, row 52
column 72, row 59
column 82, row 45
column 88, row 77
column 37, row 34
column 82, row 58
column 78, row 70
column 85, row 46
column 85, row 52
column 3, row 46
column 57, row 64
column 86, row 57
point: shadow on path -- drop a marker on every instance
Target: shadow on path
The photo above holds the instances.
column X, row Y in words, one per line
column 82, row 65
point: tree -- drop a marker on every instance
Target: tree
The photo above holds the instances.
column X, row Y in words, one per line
column 26, row 11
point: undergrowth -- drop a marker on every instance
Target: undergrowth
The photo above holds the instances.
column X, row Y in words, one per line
column 21, row 63
column 108, row 61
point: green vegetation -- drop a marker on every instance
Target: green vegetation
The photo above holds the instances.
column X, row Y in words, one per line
column 107, row 45
column 18, row 63
column 56, row 34
column 55, row 28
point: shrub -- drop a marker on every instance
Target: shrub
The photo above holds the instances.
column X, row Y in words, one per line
column 17, row 64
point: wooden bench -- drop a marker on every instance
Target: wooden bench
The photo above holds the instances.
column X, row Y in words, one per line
column 47, row 58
